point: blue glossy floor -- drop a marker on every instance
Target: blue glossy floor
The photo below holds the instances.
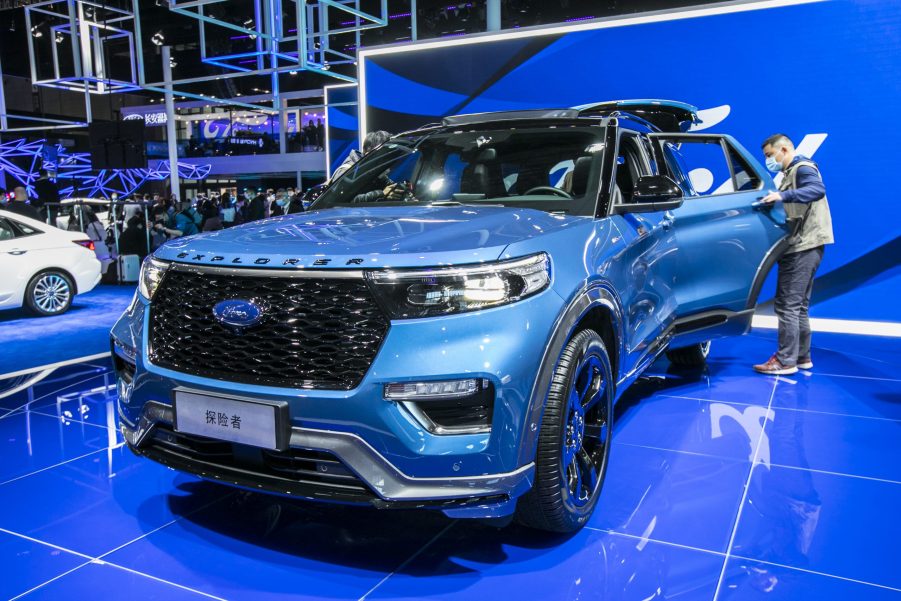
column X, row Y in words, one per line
column 722, row 485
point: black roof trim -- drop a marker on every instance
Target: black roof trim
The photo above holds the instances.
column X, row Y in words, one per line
column 525, row 115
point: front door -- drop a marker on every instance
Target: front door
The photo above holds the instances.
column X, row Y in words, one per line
column 726, row 241
column 646, row 263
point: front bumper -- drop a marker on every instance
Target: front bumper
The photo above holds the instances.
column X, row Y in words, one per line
column 332, row 466
column 393, row 459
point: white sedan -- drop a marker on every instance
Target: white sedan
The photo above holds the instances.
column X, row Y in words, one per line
column 42, row 267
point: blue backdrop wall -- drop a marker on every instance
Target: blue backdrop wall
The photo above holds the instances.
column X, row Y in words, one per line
column 827, row 73
column 342, row 123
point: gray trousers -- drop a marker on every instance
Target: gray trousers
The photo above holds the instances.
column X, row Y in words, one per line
column 793, row 288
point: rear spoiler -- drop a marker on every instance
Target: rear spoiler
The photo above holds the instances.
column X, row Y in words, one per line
column 665, row 115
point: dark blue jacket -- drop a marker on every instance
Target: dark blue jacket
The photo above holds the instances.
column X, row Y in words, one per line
column 809, row 184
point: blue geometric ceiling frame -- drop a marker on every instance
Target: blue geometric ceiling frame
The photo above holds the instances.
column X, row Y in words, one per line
column 75, row 169
column 276, row 51
column 89, row 26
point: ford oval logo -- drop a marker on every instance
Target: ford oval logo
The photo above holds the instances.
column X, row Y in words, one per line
column 237, row 313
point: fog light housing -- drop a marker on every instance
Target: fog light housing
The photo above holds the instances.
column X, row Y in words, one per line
column 447, row 407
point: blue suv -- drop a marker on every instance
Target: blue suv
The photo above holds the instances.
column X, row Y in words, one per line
column 450, row 324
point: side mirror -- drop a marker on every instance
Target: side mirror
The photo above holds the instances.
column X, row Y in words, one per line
column 653, row 193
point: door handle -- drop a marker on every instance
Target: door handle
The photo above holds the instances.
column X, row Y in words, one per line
column 759, row 205
column 16, row 252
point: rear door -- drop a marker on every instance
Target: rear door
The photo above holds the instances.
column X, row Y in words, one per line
column 726, row 241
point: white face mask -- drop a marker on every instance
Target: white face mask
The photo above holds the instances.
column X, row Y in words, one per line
column 773, row 164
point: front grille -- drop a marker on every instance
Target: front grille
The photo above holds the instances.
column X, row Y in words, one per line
column 301, row 472
column 319, row 333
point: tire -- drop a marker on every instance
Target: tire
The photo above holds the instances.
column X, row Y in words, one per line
column 49, row 293
column 573, row 444
column 689, row 356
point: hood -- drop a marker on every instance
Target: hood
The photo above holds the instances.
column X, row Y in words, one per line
column 353, row 238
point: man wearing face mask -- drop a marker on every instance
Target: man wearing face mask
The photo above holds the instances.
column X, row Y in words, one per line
column 804, row 197
column 280, row 203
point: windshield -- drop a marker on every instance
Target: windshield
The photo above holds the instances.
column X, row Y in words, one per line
column 552, row 168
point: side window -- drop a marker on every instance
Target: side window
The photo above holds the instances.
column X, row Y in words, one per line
column 6, row 230
column 706, row 166
column 630, row 165
column 25, row 230
column 744, row 178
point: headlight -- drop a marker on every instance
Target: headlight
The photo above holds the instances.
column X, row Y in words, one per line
column 152, row 272
column 425, row 293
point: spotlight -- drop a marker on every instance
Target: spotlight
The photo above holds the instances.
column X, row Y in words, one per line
column 36, row 32
column 292, row 72
column 158, row 38
column 59, row 38
column 173, row 62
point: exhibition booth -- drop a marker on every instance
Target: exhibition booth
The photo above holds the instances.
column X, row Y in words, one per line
column 475, row 316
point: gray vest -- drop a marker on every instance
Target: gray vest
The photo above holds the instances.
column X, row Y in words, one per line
column 817, row 229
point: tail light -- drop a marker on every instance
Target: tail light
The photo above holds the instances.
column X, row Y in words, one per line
column 88, row 244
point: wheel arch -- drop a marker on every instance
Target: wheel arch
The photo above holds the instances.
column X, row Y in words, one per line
column 596, row 306
column 62, row 270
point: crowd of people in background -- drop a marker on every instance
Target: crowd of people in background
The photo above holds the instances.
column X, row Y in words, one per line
column 208, row 213
column 141, row 223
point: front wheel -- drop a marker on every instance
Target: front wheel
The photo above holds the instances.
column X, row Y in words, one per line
column 574, row 440
column 49, row 293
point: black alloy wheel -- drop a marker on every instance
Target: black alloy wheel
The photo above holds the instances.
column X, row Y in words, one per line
column 574, row 440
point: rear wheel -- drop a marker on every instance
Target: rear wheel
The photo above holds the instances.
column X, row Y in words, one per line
column 689, row 356
column 49, row 293
column 574, row 441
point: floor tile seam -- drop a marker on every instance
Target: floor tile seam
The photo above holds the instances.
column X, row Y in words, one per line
column 47, row 544
column 683, row 452
column 406, row 562
column 658, row 541
column 49, row 394
column 772, row 464
column 744, row 495
column 857, row 377
column 158, row 579
column 100, row 561
column 54, row 579
column 163, row 526
column 61, row 463
column 72, row 419
column 814, row 411
column 815, row 572
column 840, row 474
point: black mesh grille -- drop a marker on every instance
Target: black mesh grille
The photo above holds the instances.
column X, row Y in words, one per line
column 316, row 333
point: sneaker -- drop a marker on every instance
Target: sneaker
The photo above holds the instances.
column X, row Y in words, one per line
column 773, row 367
column 805, row 362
